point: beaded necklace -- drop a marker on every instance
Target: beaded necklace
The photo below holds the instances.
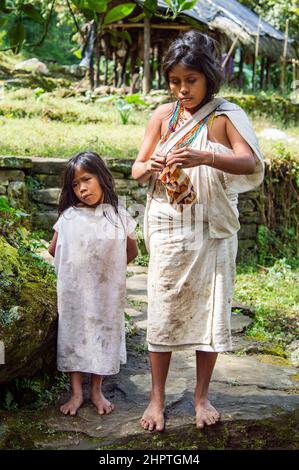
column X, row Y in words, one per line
column 188, row 138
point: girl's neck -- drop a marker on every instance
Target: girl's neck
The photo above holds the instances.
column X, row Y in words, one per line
column 194, row 110
column 80, row 204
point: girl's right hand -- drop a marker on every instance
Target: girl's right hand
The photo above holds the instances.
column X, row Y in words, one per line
column 156, row 163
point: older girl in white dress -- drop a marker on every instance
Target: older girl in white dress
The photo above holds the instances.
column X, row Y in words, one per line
column 198, row 154
column 93, row 242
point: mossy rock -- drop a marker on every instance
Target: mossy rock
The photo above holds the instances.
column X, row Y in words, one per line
column 32, row 80
column 278, row 433
column 121, row 165
column 27, row 313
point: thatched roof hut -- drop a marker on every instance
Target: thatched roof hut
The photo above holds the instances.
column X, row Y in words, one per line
column 229, row 19
column 230, row 23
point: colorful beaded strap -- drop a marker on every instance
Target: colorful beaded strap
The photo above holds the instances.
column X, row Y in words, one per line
column 173, row 122
column 188, row 138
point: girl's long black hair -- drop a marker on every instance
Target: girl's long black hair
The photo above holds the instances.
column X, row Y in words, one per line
column 92, row 163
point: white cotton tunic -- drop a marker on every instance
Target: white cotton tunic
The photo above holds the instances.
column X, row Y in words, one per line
column 91, row 263
column 192, row 271
column 191, row 276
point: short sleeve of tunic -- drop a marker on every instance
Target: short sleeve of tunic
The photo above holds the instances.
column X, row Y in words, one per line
column 56, row 226
column 129, row 222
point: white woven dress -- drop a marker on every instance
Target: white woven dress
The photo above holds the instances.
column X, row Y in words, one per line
column 191, row 273
column 91, row 264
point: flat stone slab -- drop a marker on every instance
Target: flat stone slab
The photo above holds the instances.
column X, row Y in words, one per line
column 8, row 161
column 49, row 166
column 136, row 287
column 47, row 196
column 134, row 314
column 136, row 296
column 132, row 268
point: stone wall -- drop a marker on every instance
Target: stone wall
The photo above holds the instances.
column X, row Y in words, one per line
column 34, row 183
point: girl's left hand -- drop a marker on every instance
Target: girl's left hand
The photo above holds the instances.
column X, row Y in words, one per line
column 186, row 157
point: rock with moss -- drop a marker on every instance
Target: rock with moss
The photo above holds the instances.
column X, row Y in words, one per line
column 27, row 305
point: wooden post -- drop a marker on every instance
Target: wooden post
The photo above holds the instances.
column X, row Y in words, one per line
column 146, row 58
column 256, row 52
column 253, row 72
column 283, row 59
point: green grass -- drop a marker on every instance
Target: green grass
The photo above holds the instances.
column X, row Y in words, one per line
column 273, row 295
column 52, row 126
column 59, row 127
column 36, row 137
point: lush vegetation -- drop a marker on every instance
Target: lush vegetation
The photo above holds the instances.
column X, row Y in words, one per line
column 271, row 293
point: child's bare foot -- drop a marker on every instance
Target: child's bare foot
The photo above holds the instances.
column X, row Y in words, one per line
column 206, row 414
column 101, row 403
column 71, row 407
column 153, row 417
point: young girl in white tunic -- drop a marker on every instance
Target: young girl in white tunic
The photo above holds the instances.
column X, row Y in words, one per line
column 92, row 244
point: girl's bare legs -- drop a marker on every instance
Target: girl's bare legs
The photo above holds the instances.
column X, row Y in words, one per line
column 96, row 395
column 153, row 417
column 205, row 412
column 71, row 407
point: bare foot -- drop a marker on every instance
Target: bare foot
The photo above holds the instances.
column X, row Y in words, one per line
column 101, row 403
column 153, row 417
column 71, row 407
column 206, row 414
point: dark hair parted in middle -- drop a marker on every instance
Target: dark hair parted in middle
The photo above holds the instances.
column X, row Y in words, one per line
column 92, row 163
column 198, row 52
